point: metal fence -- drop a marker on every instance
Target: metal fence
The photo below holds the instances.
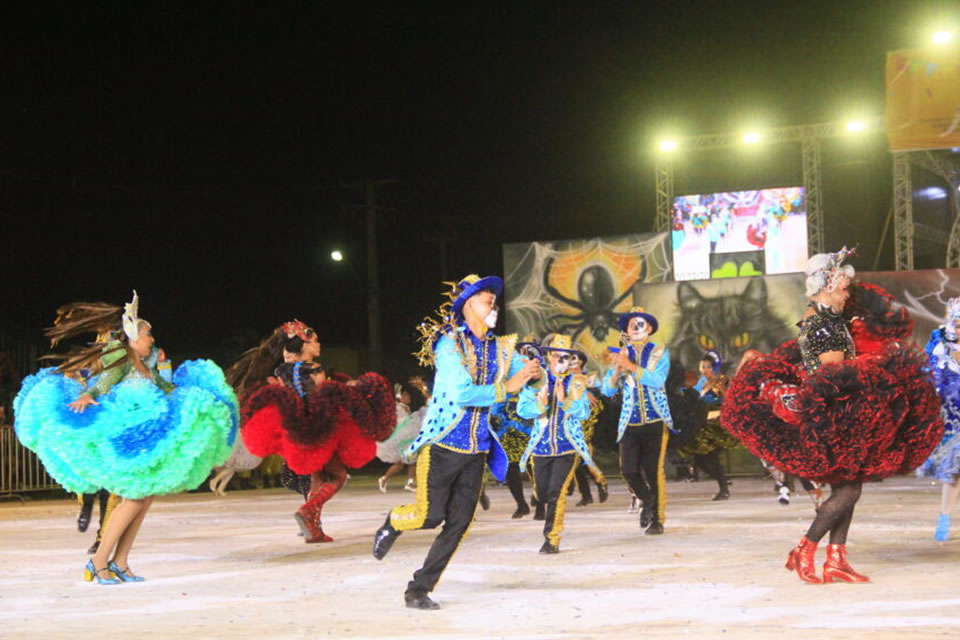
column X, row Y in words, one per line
column 20, row 469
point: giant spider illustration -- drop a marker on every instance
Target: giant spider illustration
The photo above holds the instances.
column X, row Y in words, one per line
column 598, row 298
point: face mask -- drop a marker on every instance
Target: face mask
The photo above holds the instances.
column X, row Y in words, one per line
column 491, row 319
column 562, row 365
column 638, row 331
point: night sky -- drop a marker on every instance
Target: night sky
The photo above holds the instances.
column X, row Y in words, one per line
column 204, row 153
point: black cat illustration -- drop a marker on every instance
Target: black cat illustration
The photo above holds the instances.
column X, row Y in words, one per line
column 730, row 324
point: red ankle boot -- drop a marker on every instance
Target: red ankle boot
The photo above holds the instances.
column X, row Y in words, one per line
column 308, row 516
column 801, row 560
column 837, row 568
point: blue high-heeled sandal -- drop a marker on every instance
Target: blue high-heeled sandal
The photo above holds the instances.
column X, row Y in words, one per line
column 90, row 572
column 942, row 533
column 123, row 573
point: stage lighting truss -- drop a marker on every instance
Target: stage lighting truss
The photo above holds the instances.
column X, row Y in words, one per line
column 807, row 135
column 938, row 163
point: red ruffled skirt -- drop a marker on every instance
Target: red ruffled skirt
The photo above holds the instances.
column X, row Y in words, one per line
column 871, row 417
column 336, row 418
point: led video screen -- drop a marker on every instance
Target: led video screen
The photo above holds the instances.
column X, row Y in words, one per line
column 739, row 233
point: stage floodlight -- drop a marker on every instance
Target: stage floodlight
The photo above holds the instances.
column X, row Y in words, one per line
column 942, row 37
column 668, row 145
column 751, row 137
column 856, row 126
column 336, row 255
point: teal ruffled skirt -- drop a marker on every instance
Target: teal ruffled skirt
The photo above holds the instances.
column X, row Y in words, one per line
column 138, row 441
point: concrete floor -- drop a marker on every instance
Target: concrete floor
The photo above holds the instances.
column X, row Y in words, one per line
column 234, row 567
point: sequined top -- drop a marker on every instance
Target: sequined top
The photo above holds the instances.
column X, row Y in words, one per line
column 822, row 332
column 553, row 437
column 112, row 375
column 472, row 433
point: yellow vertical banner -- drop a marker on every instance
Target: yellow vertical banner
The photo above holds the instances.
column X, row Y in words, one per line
column 923, row 99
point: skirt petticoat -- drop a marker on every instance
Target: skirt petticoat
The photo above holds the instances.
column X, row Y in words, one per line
column 870, row 417
column 391, row 449
column 241, row 459
column 711, row 437
column 334, row 419
column 138, row 441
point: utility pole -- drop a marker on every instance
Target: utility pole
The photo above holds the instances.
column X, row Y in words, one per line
column 374, row 344
column 442, row 243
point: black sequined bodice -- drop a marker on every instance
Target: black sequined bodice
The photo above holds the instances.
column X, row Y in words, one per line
column 821, row 332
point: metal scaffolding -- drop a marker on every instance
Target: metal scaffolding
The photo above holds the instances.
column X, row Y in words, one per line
column 905, row 229
column 902, row 212
column 808, row 135
column 664, row 192
column 939, row 164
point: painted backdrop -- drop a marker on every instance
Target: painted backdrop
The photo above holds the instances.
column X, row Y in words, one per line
column 579, row 287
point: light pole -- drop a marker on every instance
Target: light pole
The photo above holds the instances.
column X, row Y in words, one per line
column 374, row 343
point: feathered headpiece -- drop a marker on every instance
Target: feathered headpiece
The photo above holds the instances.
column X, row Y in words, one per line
column 825, row 270
column 443, row 320
column 131, row 321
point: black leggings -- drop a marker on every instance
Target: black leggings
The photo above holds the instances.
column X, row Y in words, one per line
column 836, row 513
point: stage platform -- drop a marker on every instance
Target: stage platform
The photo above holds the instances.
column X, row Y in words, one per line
column 234, row 568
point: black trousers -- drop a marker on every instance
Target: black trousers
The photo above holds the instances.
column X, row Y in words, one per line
column 642, row 452
column 86, row 505
column 554, row 474
column 515, row 484
column 448, row 488
column 583, row 482
column 710, row 462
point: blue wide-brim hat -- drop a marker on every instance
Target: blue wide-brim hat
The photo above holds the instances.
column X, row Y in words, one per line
column 638, row 312
column 472, row 285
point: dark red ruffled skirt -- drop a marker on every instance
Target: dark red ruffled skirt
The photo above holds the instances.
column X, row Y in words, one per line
column 871, row 417
column 336, row 418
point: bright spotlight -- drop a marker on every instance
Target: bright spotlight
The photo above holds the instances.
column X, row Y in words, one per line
column 942, row 37
column 856, row 126
column 751, row 137
column 668, row 145
column 336, row 255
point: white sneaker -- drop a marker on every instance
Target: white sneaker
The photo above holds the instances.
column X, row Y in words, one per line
column 411, row 485
column 634, row 504
column 382, row 483
column 784, row 498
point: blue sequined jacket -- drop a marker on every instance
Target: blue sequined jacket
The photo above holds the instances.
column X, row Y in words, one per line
column 557, row 428
column 469, row 381
column 644, row 397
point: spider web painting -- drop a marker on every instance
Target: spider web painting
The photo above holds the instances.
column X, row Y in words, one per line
column 579, row 287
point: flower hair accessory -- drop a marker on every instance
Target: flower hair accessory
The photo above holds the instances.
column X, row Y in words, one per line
column 131, row 322
column 298, row 329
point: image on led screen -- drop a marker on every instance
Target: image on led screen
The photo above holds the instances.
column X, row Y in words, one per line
column 739, row 233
